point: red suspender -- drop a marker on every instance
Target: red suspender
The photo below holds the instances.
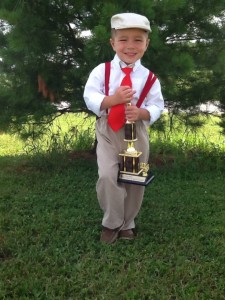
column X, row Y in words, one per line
column 107, row 74
column 148, row 84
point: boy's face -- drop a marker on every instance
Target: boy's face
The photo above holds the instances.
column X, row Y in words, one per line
column 129, row 44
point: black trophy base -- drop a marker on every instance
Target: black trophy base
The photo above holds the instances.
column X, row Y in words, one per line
column 136, row 179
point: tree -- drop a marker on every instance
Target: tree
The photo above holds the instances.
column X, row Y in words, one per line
column 186, row 51
column 45, row 57
column 41, row 40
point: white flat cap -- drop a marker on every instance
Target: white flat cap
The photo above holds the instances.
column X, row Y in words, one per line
column 130, row 20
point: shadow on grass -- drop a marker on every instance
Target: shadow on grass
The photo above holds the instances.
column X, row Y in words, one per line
column 50, row 225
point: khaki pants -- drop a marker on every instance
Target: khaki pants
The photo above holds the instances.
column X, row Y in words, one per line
column 120, row 202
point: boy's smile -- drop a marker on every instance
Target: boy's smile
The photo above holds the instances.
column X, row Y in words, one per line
column 129, row 44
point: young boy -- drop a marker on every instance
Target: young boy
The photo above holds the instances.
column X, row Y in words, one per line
column 121, row 202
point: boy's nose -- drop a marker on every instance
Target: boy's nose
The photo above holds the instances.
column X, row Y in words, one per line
column 130, row 44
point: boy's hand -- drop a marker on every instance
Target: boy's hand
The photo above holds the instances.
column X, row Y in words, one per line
column 132, row 113
column 123, row 94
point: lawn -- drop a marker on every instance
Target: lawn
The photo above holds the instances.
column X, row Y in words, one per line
column 50, row 223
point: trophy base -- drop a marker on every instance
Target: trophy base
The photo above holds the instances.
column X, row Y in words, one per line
column 135, row 179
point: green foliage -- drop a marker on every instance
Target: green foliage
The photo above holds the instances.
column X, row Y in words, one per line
column 66, row 133
column 187, row 143
column 42, row 42
column 44, row 38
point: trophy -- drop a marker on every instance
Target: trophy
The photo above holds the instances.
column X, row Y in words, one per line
column 130, row 169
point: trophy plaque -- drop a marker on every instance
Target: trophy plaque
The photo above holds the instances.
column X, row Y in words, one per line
column 130, row 169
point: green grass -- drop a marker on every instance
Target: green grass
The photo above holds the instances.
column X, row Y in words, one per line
column 50, row 223
column 69, row 131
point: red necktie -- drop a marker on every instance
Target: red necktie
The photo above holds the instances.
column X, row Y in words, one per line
column 116, row 118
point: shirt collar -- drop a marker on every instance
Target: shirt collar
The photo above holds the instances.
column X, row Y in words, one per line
column 120, row 64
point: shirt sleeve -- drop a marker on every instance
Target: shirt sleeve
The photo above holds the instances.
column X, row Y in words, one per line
column 154, row 103
column 94, row 90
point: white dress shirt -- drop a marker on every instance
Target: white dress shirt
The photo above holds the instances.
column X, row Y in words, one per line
column 94, row 91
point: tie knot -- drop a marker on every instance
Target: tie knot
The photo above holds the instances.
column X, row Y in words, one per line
column 127, row 70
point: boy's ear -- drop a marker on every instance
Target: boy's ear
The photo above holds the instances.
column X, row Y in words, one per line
column 112, row 43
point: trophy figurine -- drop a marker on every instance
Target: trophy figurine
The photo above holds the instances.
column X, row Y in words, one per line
column 130, row 169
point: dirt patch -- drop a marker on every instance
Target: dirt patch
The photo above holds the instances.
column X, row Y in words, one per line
column 82, row 154
column 156, row 161
column 161, row 160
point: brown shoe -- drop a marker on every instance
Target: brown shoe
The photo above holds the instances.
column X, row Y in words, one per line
column 126, row 234
column 109, row 236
